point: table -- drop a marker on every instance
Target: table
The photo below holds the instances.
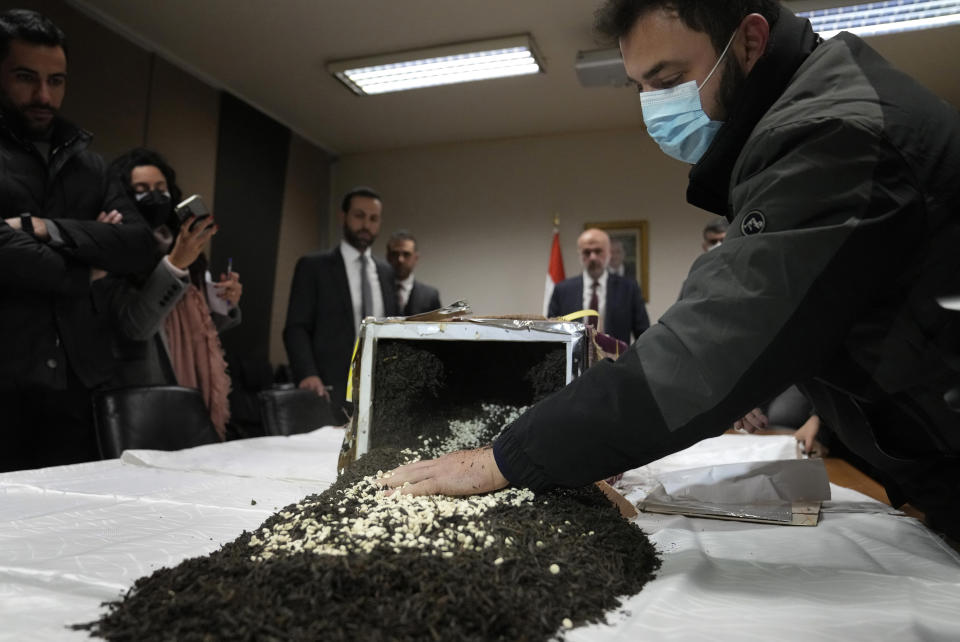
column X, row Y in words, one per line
column 72, row 537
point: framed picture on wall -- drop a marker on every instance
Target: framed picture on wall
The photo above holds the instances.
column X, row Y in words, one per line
column 628, row 247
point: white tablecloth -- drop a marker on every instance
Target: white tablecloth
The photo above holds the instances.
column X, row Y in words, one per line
column 72, row 537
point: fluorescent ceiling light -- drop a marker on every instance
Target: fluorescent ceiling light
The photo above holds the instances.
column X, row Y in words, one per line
column 445, row 65
column 874, row 18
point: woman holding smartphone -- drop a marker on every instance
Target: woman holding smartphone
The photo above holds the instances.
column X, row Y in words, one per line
column 169, row 321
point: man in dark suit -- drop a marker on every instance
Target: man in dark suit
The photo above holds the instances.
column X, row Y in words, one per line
column 713, row 233
column 617, row 265
column 413, row 297
column 331, row 293
column 617, row 299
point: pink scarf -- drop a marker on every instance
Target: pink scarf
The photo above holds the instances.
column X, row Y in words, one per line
column 197, row 356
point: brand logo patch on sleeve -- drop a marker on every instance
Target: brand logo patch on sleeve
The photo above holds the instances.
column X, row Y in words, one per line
column 753, row 223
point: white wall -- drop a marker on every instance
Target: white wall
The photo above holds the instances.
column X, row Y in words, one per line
column 483, row 212
column 301, row 230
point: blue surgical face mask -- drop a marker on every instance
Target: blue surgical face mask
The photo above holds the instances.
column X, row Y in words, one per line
column 676, row 121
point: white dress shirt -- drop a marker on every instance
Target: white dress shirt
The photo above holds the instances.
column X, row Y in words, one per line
column 403, row 292
column 601, row 295
column 351, row 260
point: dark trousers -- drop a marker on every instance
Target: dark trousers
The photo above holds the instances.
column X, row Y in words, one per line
column 40, row 428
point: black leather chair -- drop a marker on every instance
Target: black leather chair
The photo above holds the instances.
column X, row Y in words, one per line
column 286, row 410
column 952, row 396
column 153, row 417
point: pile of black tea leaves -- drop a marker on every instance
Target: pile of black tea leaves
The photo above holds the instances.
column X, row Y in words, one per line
column 351, row 564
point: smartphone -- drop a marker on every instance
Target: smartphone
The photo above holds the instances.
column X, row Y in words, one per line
column 192, row 206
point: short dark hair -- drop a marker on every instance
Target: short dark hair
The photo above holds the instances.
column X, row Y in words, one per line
column 716, row 226
column 357, row 191
column 402, row 235
column 716, row 18
column 30, row 26
column 122, row 167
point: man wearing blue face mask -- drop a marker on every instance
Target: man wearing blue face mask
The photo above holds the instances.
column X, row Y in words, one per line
column 838, row 175
column 675, row 118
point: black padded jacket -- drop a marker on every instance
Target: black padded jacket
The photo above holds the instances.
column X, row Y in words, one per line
column 841, row 178
column 49, row 320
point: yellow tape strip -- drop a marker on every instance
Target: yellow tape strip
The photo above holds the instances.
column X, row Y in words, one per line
column 349, row 396
column 573, row 316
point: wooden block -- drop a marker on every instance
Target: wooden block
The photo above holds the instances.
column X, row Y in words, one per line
column 626, row 508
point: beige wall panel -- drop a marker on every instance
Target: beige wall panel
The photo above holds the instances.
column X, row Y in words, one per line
column 182, row 125
column 483, row 212
column 301, row 228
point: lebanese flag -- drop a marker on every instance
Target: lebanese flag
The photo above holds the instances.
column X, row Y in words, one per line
column 554, row 270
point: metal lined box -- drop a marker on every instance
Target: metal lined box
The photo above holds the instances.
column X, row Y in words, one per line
column 410, row 379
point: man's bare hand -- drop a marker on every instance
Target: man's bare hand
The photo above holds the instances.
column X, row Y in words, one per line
column 807, row 436
column 466, row 472
column 113, row 217
column 314, row 383
column 752, row 422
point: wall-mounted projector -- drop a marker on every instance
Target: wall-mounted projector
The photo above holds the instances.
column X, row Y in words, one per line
column 601, row 68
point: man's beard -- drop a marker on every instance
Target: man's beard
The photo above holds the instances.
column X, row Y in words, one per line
column 595, row 270
column 731, row 87
column 356, row 241
column 20, row 121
